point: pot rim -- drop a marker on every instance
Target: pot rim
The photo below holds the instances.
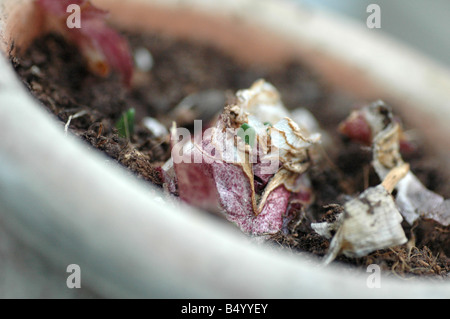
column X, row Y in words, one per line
column 124, row 234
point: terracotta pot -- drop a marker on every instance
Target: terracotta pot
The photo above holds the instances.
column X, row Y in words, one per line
column 60, row 204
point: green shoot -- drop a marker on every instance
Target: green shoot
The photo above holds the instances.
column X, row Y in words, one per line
column 125, row 125
column 247, row 133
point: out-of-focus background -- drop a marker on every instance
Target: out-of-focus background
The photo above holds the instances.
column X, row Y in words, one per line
column 422, row 24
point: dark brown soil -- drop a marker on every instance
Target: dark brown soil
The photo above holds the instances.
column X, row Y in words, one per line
column 55, row 74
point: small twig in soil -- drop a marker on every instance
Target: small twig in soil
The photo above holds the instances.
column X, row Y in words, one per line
column 394, row 176
column 72, row 117
column 366, row 170
column 100, row 130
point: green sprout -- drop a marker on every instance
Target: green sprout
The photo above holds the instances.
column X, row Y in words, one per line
column 247, row 133
column 125, row 125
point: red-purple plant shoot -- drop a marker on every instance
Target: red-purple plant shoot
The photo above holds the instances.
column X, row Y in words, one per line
column 103, row 48
column 356, row 128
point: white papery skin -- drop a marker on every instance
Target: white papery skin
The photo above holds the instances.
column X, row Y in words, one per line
column 369, row 222
column 413, row 198
column 263, row 102
column 261, row 108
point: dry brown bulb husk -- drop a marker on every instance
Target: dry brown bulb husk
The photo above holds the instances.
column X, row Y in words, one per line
column 369, row 222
